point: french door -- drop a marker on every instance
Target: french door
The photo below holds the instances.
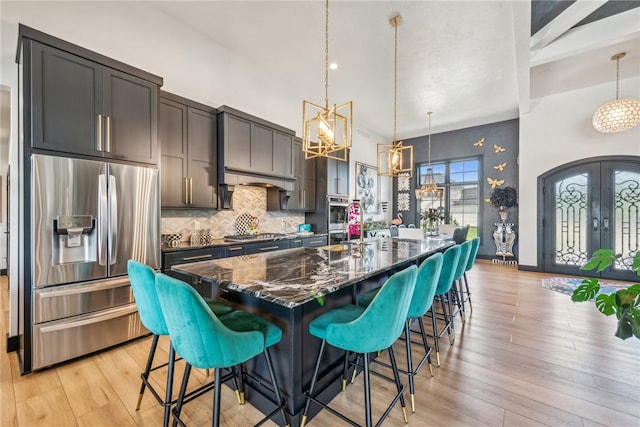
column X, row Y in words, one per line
column 589, row 206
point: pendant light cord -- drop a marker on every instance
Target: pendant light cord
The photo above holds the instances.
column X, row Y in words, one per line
column 395, row 79
column 429, row 148
column 326, row 56
column 617, row 73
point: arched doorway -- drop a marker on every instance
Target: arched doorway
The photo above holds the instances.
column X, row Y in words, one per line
column 587, row 205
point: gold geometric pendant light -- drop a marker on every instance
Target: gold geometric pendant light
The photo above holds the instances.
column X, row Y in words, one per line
column 429, row 188
column 395, row 158
column 326, row 130
column 620, row 114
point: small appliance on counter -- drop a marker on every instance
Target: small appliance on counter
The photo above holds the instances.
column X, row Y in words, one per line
column 304, row 228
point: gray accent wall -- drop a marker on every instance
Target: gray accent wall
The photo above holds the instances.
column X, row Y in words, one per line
column 459, row 144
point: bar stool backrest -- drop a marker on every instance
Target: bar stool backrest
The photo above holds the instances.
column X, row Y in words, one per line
column 426, row 283
column 382, row 322
column 196, row 332
column 460, row 234
column 449, row 265
column 465, row 251
column 143, row 285
column 474, row 252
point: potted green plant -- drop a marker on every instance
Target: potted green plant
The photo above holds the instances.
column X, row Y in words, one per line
column 624, row 303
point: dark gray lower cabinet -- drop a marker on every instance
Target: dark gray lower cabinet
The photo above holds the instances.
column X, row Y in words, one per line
column 259, row 247
column 234, row 250
column 313, row 242
column 169, row 259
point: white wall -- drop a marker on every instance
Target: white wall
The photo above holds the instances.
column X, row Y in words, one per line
column 557, row 131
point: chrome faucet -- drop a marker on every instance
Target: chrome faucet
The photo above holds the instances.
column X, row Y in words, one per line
column 361, row 211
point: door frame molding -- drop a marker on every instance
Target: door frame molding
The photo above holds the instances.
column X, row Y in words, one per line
column 540, row 195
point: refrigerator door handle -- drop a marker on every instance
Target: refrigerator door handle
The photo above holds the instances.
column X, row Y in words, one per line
column 102, row 217
column 113, row 216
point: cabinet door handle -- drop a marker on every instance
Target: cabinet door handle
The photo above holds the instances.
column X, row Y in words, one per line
column 270, row 248
column 99, row 132
column 595, row 224
column 191, row 258
column 186, row 191
column 107, row 132
column 235, row 248
column 190, row 190
column 605, row 224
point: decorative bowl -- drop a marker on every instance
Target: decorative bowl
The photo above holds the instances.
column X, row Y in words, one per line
column 171, row 240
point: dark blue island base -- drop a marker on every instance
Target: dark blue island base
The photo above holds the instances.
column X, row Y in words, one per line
column 291, row 288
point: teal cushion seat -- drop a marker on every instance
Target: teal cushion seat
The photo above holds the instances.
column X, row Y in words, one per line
column 343, row 314
column 218, row 308
column 365, row 330
column 197, row 334
column 241, row 321
column 382, row 322
column 205, row 340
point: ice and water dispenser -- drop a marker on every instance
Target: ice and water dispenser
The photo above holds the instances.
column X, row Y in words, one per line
column 74, row 239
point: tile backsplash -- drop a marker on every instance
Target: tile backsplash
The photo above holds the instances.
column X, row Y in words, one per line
column 246, row 200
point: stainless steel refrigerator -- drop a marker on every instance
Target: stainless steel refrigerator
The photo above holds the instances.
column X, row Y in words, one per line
column 88, row 218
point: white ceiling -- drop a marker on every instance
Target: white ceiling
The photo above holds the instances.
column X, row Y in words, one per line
column 470, row 62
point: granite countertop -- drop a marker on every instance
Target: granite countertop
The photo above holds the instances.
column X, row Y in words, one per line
column 292, row 277
column 223, row 243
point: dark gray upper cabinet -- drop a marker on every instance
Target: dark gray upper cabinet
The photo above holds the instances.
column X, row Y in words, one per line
column 189, row 153
column 303, row 196
column 79, row 106
column 248, row 144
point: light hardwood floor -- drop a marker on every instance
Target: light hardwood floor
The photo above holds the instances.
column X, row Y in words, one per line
column 527, row 356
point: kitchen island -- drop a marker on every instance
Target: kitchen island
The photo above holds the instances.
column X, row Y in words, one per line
column 292, row 287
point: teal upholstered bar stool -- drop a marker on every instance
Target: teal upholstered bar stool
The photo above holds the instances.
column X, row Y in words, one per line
column 421, row 301
column 363, row 330
column 475, row 245
column 456, row 287
column 449, row 264
column 143, row 285
column 208, row 342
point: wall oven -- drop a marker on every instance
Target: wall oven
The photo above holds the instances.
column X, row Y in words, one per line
column 337, row 219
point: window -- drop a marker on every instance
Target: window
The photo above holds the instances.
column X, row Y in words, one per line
column 460, row 203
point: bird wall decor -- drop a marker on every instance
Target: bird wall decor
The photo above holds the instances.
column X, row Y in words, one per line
column 494, row 182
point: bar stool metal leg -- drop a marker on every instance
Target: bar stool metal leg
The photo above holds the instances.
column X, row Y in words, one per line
column 313, row 384
column 147, row 369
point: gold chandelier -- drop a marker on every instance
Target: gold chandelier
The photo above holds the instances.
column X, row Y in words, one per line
column 429, row 188
column 620, row 114
column 326, row 131
column 395, row 158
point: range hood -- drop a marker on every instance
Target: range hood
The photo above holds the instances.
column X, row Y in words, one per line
column 278, row 189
